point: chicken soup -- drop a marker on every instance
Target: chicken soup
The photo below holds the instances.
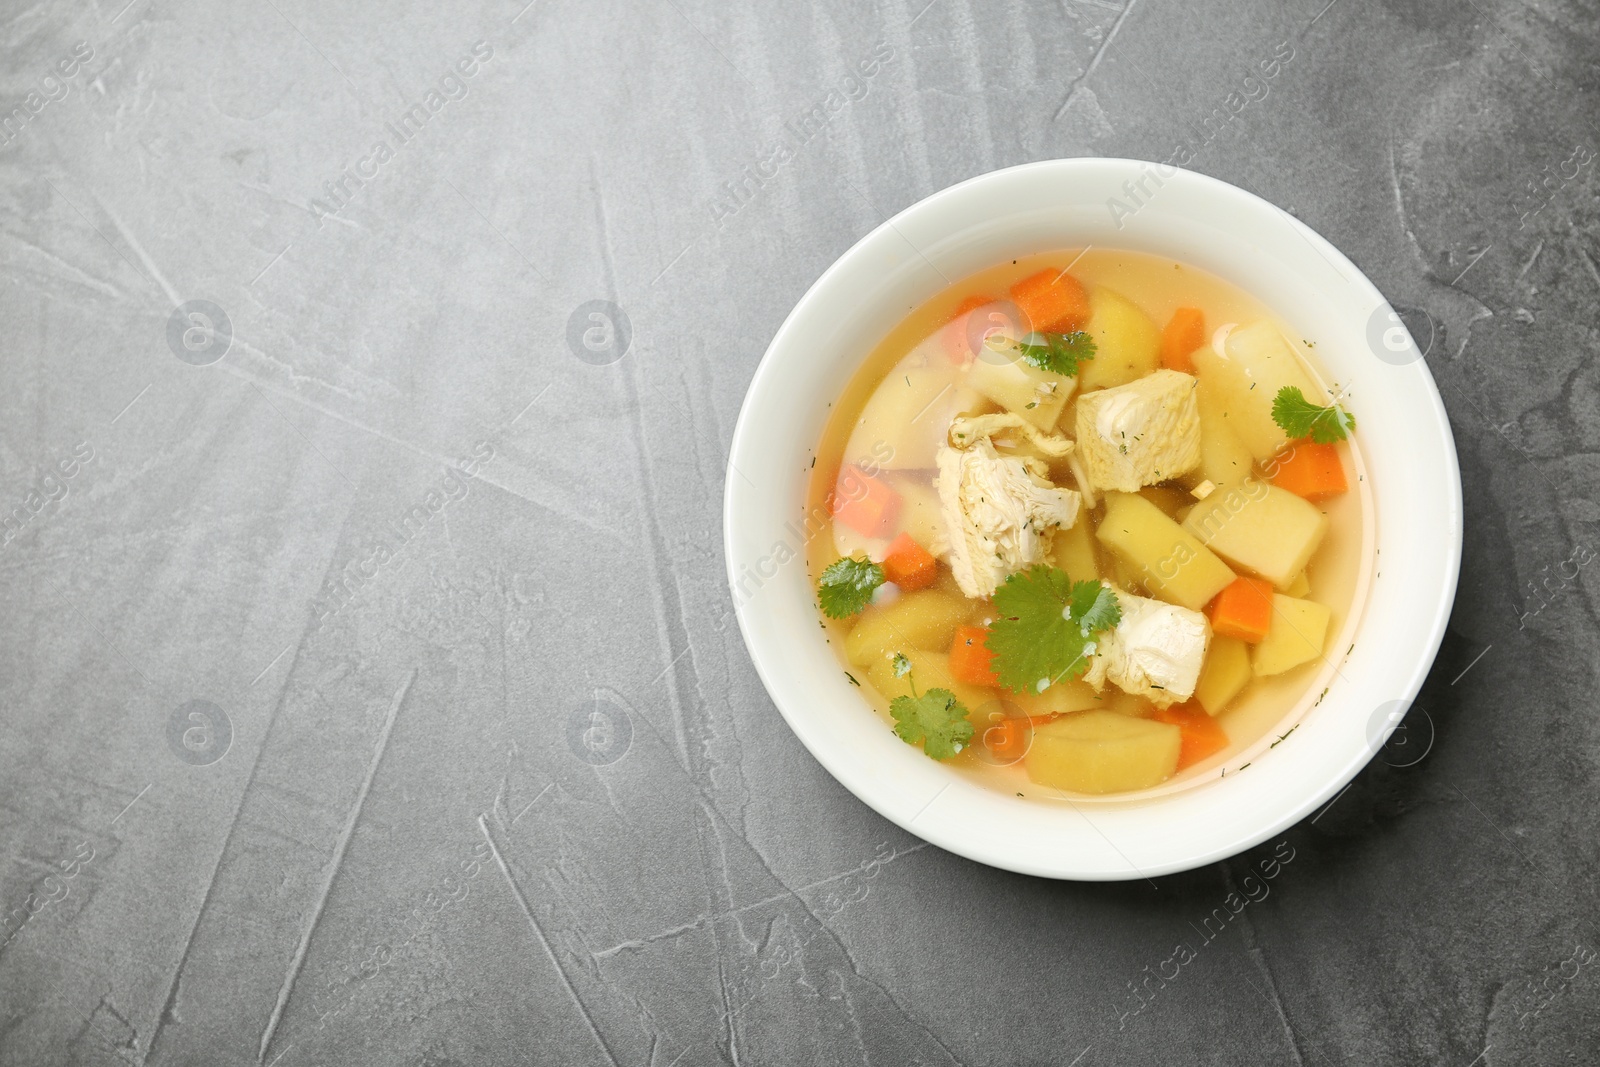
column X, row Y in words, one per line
column 1093, row 524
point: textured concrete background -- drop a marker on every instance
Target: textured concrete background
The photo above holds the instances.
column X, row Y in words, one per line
column 318, row 750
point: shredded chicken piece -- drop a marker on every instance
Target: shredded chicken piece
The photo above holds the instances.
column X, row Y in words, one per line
column 1156, row 651
column 966, row 432
column 1000, row 511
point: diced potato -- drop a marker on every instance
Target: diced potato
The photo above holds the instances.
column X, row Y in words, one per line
column 1257, row 363
column 1036, row 395
column 919, row 510
column 1127, row 703
column 905, row 420
column 1073, row 695
column 1226, row 671
column 1296, row 636
column 1127, row 342
column 1074, row 552
column 1224, row 460
column 1174, row 566
column 1264, row 529
column 1103, row 752
column 1300, row 587
column 1125, row 575
column 926, row 619
column 930, row 670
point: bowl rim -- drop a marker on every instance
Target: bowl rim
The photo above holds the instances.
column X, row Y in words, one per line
column 951, row 833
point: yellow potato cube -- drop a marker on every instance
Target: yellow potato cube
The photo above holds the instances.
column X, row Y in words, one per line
column 1264, row 529
column 1062, row 697
column 1019, row 387
column 1300, row 587
column 1103, row 752
column 926, row 619
column 1127, row 342
column 929, row 670
column 920, row 514
column 1225, row 672
column 1296, row 636
column 905, row 420
column 1074, row 552
column 1224, row 460
column 1257, row 363
column 1173, row 565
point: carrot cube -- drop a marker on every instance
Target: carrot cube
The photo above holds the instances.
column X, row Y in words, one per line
column 1052, row 301
column 957, row 342
column 1185, row 333
column 909, row 565
column 865, row 504
column 1200, row 736
column 970, row 656
column 1309, row 470
column 1243, row 610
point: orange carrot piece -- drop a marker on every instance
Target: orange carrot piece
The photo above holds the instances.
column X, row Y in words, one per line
column 970, row 656
column 909, row 565
column 1052, row 301
column 1201, row 736
column 865, row 504
column 1243, row 610
column 1309, row 470
column 957, row 344
column 1185, row 333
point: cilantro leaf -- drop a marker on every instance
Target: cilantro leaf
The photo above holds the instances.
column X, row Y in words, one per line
column 902, row 665
column 1299, row 417
column 846, row 586
column 1060, row 353
column 936, row 718
column 1046, row 626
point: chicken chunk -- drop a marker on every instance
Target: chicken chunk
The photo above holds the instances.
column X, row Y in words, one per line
column 1141, row 433
column 1155, row 651
column 1000, row 512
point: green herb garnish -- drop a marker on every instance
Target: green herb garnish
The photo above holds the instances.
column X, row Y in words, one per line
column 902, row 665
column 1299, row 417
column 936, row 718
column 1060, row 353
column 847, row 585
column 1046, row 627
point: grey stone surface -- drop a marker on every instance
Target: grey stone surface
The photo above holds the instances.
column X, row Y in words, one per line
column 492, row 780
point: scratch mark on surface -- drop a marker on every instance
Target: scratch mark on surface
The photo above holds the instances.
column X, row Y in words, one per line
column 309, row 443
column 169, row 1007
column 333, row 868
column 1099, row 54
column 1532, row 259
column 787, row 894
column 1400, row 204
column 96, row 229
column 1253, row 950
column 1588, row 261
column 522, row 902
column 139, row 250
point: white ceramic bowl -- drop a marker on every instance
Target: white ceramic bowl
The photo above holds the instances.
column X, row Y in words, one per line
column 1413, row 511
